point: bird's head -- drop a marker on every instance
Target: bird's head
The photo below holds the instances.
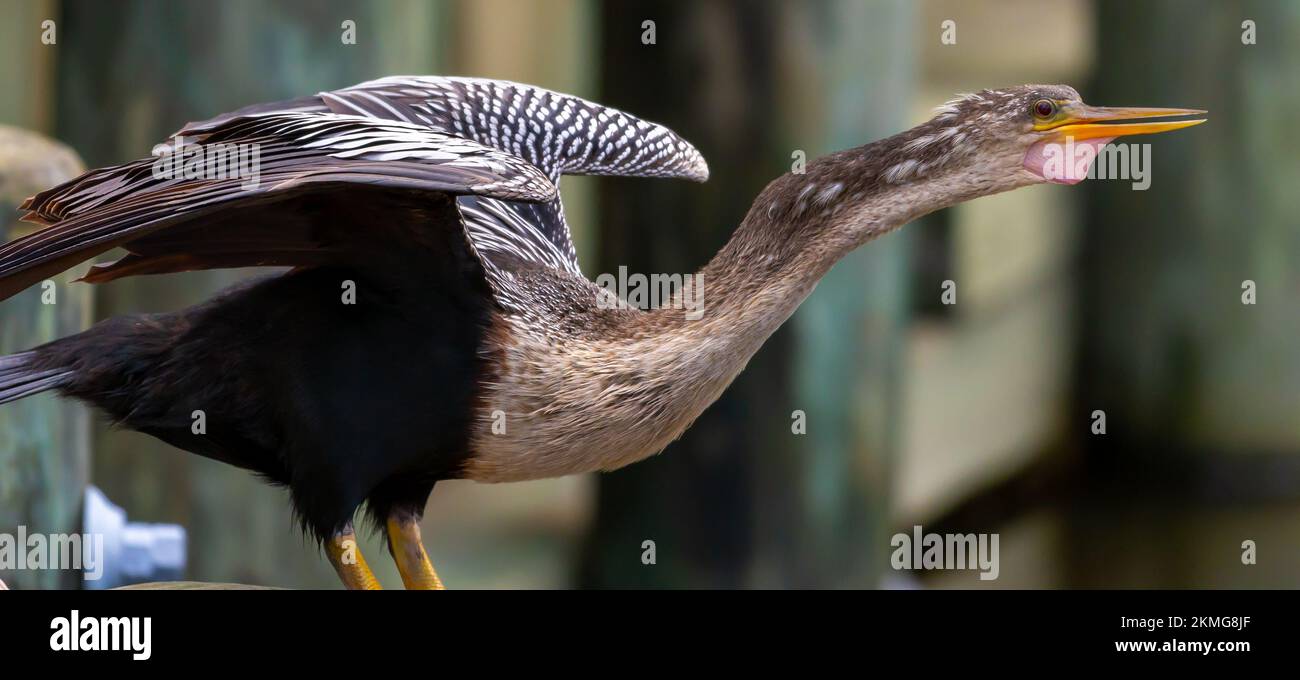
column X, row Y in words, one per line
column 1022, row 135
column 975, row 145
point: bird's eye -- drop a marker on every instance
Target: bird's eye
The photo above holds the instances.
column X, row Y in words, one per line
column 1044, row 108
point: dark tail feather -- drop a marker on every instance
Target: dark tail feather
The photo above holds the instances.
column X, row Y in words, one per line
column 19, row 378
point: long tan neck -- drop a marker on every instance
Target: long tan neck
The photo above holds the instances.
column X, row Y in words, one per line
column 801, row 225
column 582, row 403
column 796, row 230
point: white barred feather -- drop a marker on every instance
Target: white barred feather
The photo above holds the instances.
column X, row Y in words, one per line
column 557, row 133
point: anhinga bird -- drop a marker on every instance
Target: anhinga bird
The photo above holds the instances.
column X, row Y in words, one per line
column 474, row 347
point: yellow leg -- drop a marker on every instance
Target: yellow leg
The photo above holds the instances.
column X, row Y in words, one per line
column 408, row 552
column 345, row 555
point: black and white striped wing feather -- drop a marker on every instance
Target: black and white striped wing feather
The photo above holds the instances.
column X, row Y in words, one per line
column 557, row 133
column 298, row 153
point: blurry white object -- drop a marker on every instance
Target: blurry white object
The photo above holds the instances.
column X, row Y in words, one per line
column 134, row 552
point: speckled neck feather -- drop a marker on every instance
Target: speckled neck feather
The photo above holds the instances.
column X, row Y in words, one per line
column 802, row 224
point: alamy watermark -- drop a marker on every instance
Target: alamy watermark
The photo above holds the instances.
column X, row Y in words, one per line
column 21, row 550
column 919, row 550
column 656, row 291
column 1072, row 161
column 187, row 160
column 77, row 633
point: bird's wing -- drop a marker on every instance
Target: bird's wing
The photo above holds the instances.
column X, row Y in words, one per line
column 246, row 191
column 558, row 133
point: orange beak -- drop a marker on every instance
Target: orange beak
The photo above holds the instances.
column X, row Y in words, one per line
column 1091, row 122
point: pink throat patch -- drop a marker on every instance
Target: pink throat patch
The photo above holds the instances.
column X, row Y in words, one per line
column 1064, row 162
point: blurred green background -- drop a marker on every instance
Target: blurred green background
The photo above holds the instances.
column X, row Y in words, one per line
column 973, row 417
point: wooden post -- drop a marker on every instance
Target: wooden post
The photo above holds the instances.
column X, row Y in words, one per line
column 132, row 73
column 741, row 500
column 851, row 330
column 44, row 443
column 1185, row 370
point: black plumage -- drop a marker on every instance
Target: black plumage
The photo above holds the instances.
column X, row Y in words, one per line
column 342, row 403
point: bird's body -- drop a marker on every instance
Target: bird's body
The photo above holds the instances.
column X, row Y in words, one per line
column 435, row 324
column 341, row 403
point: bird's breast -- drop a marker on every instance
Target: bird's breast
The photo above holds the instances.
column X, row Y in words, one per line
column 555, row 408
